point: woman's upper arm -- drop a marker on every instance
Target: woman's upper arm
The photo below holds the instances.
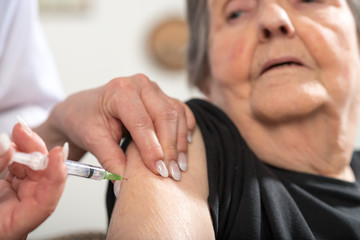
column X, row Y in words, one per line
column 152, row 207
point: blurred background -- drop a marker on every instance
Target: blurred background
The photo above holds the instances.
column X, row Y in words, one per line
column 92, row 43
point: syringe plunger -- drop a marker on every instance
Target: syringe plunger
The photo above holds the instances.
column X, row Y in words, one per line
column 34, row 160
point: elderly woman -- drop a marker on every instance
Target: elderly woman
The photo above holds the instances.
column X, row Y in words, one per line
column 272, row 155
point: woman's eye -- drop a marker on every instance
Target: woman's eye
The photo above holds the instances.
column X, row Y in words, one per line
column 237, row 9
column 235, row 15
column 308, row 1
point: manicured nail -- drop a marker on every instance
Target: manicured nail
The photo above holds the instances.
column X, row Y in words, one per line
column 65, row 151
column 161, row 168
column 5, row 143
column 182, row 161
column 189, row 137
column 174, row 170
column 116, row 188
column 24, row 124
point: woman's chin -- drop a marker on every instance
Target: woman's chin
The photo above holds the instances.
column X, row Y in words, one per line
column 283, row 115
column 293, row 105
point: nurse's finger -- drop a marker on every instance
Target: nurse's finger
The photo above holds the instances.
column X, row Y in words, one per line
column 54, row 178
column 45, row 194
column 109, row 154
column 5, row 153
column 166, row 121
column 26, row 140
column 130, row 110
column 186, row 124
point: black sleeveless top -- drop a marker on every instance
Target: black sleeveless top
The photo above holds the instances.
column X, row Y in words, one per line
column 249, row 199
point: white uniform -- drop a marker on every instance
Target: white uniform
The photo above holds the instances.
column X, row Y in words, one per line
column 29, row 81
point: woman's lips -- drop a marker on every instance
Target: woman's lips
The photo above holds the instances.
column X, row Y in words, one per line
column 276, row 62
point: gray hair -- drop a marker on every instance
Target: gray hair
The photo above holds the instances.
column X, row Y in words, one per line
column 198, row 67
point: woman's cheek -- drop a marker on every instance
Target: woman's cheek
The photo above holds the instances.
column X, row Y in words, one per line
column 228, row 58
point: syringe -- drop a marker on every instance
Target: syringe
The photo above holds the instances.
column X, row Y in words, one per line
column 90, row 171
column 39, row 161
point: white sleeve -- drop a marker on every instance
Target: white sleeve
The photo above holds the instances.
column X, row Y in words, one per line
column 29, row 81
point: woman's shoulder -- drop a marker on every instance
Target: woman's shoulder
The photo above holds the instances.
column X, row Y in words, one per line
column 215, row 125
column 357, row 154
column 355, row 162
column 154, row 207
column 205, row 109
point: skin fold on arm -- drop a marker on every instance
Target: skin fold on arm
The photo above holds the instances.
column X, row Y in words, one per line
column 151, row 207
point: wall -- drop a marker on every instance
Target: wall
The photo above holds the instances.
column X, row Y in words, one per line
column 90, row 49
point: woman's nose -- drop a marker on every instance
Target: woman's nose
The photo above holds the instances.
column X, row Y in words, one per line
column 274, row 22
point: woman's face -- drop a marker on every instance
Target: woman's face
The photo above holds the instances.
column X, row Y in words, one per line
column 283, row 59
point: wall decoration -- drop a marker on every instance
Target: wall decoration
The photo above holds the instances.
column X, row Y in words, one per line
column 168, row 41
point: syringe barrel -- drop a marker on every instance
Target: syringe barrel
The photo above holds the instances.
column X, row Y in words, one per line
column 84, row 170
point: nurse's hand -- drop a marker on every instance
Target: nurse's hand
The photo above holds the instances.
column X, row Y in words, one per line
column 5, row 154
column 97, row 119
column 28, row 197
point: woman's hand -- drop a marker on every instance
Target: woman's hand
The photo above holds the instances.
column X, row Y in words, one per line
column 97, row 119
column 28, row 197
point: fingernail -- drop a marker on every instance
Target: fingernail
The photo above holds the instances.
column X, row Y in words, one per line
column 174, row 170
column 189, row 137
column 65, row 151
column 161, row 168
column 5, row 143
column 182, row 161
column 116, row 188
column 24, row 124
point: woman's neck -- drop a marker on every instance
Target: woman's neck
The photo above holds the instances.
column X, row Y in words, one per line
column 319, row 144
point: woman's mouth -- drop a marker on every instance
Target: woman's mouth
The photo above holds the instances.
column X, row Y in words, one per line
column 280, row 62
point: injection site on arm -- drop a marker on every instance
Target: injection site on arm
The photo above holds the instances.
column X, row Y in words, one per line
column 151, row 207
